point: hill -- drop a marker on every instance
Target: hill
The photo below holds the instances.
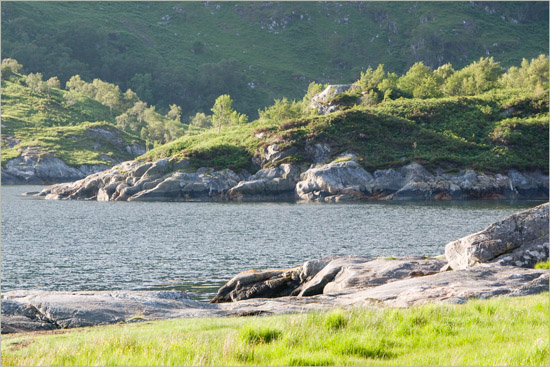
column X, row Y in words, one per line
column 492, row 132
column 189, row 53
column 48, row 138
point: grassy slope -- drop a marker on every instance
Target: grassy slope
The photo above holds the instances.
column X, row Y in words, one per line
column 268, row 41
column 501, row 331
column 39, row 119
column 491, row 132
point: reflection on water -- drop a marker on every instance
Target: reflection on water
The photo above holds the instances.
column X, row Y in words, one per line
column 78, row 245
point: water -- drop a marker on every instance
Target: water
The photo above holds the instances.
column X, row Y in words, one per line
column 78, row 245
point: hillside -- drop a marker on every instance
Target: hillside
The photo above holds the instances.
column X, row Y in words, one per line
column 189, row 53
column 45, row 138
column 493, row 132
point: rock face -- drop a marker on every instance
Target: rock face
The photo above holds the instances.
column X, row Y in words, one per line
column 321, row 102
column 334, row 182
column 519, row 240
column 169, row 180
column 271, row 184
column 35, row 167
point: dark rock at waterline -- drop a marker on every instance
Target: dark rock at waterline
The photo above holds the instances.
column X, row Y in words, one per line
column 324, row 276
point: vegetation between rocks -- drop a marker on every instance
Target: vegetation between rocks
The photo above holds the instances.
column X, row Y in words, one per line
column 498, row 331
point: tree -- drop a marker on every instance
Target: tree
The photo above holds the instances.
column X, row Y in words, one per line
column 122, row 121
column 312, row 90
column 222, row 111
column 531, row 75
column 282, row 109
column 53, row 82
column 371, row 78
column 414, row 77
column 75, row 84
column 174, row 113
column 138, row 109
column 478, row 77
column 34, row 81
column 129, row 97
column 201, row 120
column 10, row 67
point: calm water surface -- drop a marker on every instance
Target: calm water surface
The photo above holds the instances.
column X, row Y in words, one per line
column 78, row 245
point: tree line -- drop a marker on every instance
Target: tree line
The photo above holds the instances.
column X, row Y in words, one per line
column 374, row 86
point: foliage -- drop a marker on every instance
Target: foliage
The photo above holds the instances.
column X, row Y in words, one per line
column 9, row 68
column 188, row 54
column 529, row 76
column 476, row 78
column 282, row 110
column 58, row 122
column 224, row 114
column 542, row 265
column 201, row 120
column 433, row 334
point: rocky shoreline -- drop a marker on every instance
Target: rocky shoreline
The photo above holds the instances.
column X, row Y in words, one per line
column 497, row 261
column 346, row 180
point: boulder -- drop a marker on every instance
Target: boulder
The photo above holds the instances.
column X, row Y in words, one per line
column 520, row 240
column 321, row 102
column 268, row 184
column 366, row 274
column 269, row 283
column 334, row 179
column 259, row 284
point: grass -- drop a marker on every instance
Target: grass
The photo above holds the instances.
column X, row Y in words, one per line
column 40, row 120
column 542, row 265
column 499, row 331
column 452, row 133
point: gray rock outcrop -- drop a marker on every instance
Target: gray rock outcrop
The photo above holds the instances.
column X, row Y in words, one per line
column 519, row 240
column 324, row 276
column 322, row 101
column 268, row 184
column 342, row 180
column 335, row 182
column 35, row 168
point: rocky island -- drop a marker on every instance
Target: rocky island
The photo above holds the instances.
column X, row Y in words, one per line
column 497, row 261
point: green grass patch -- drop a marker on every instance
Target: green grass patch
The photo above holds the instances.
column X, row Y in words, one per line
column 83, row 133
column 499, row 331
column 542, row 265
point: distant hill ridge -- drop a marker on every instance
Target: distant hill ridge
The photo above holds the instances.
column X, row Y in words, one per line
column 189, row 53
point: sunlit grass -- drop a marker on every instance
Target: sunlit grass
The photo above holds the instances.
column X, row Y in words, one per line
column 502, row 331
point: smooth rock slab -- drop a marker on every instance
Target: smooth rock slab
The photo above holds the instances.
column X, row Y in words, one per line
column 484, row 281
column 42, row 310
